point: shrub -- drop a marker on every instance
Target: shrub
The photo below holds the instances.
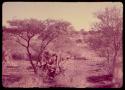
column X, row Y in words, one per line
column 34, row 57
column 95, row 79
column 17, row 56
column 9, row 79
column 104, row 86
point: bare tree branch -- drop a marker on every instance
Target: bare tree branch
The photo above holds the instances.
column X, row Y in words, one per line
column 22, row 37
column 18, row 41
column 21, row 43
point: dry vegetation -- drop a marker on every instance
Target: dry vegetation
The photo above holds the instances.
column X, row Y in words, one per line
column 51, row 53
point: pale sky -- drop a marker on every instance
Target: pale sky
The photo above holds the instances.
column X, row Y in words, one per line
column 80, row 14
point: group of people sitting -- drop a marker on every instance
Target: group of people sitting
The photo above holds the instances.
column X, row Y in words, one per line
column 50, row 64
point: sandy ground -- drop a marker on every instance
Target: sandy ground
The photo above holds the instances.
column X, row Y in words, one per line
column 75, row 73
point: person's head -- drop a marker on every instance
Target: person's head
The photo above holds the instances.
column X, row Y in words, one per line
column 46, row 53
column 54, row 56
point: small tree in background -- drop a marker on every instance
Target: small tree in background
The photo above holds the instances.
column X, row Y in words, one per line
column 108, row 37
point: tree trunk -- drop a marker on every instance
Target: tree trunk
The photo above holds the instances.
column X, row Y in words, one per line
column 30, row 58
column 115, row 68
column 107, row 56
column 31, row 61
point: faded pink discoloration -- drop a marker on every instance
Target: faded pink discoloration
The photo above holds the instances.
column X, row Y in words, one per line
column 51, row 53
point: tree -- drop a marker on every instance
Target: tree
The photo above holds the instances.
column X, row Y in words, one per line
column 24, row 31
column 54, row 29
column 46, row 31
column 108, row 36
column 83, row 32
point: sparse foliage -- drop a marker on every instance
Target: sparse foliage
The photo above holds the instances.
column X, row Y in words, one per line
column 24, row 31
column 45, row 32
column 107, row 38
